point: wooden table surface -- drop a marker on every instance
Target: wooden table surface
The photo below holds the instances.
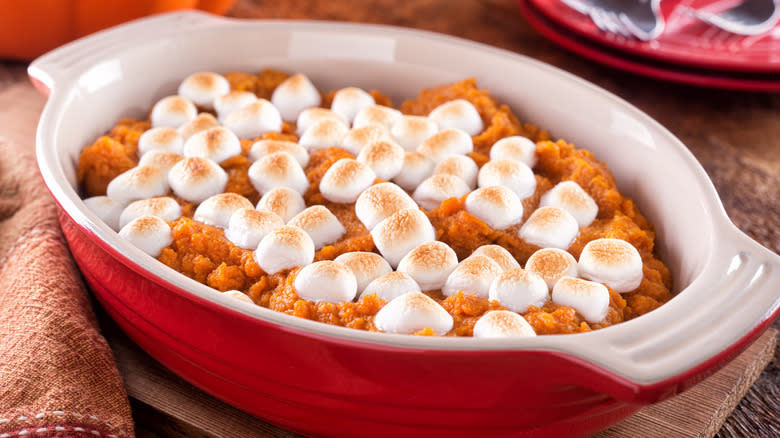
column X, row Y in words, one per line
column 734, row 135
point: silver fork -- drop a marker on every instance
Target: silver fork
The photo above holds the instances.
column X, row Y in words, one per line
column 751, row 17
column 640, row 19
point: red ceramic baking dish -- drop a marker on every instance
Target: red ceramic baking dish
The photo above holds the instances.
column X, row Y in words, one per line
column 325, row 380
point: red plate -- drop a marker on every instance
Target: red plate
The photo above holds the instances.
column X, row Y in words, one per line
column 685, row 39
column 640, row 65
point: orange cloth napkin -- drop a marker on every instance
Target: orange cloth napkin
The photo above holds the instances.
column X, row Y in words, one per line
column 57, row 374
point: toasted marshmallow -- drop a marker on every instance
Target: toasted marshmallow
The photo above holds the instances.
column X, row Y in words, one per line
column 461, row 166
column 248, row 226
column 385, row 158
column 218, row 209
column 345, row 180
column 160, row 139
column 282, row 201
column 416, row 168
column 310, row 116
column 165, row 208
column 472, row 276
column 410, row 131
column 460, row 114
column 227, row 103
column 266, row 147
column 366, row 266
column 402, row 232
column 391, row 285
column 550, row 227
column 106, row 209
column 497, row 206
column 150, row 234
column 446, row 143
column 160, row 159
column 322, row 225
column 284, row 248
column 613, row 262
column 323, row 134
column 347, row 102
column 569, row 196
column 412, row 312
column 515, row 148
column 502, row 324
column 140, row 182
column 279, row 169
column 431, row 192
column 196, row 178
column 294, row 95
column 499, row 254
column 552, row 264
column 377, row 115
column 172, row 112
column 325, row 281
column 237, row 294
column 202, row 88
column 381, row 201
column 358, row 138
column 589, row 298
column 203, row 122
column 254, row 119
column 517, row 289
column 429, row 264
column 512, row 174
column 216, row 144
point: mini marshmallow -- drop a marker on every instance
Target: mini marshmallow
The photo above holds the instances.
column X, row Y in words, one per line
column 461, row 166
column 150, row 234
column 140, row 182
column 285, row 247
column 391, row 285
column 377, row 115
column 326, row 281
column 347, row 102
column 446, row 143
column 282, row 201
column 473, row 276
column 512, row 174
column 164, row 207
column 106, row 209
column 248, row 226
column 202, row 88
column 172, row 112
column 406, row 229
column 366, row 266
column 381, row 201
column 160, row 139
column 203, row 122
column 588, row 298
column 255, row 119
column 410, row 131
column 217, row 144
column 266, row 147
column 196, row 178
column 502, row 324
column 416, row 168
column 226, row 104
column 431, row 192
column 517, row 289
column 429, row 264
column 322, row 226
column 552, row 264
column 460, row 114
column 310, row 116
column 294, row 95
column 550, row 227
column 279, row 169
column 613, row 262
column 160, row 159
column 217, row 209
column 345, row 180
column 500, row 255
column 497, row 206
column 515, row 148
column 323, row 134
column 358, row 138
column 385, row 158
column 237, row 294
column 412, row 312
column 569, row 196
